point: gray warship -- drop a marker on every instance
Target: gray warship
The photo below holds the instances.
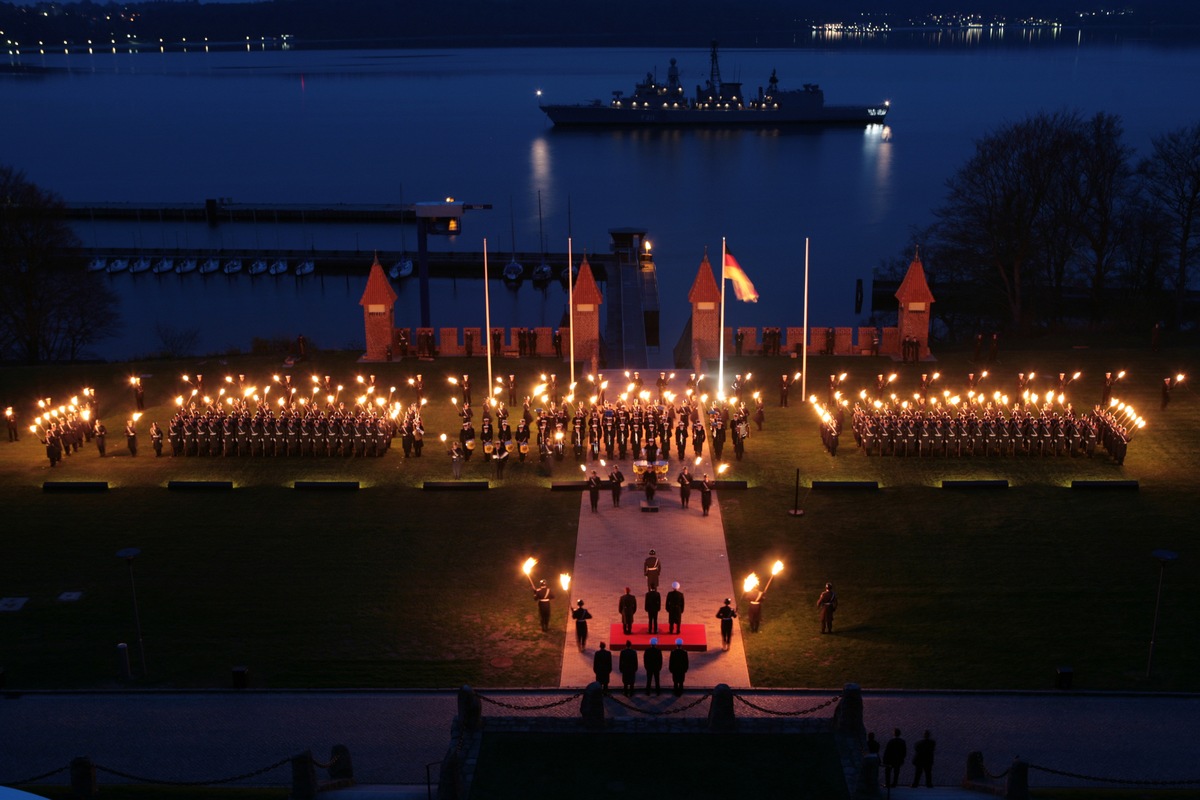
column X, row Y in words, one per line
column 717, row 104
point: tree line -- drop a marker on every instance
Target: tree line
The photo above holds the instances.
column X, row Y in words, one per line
column 1052, row 222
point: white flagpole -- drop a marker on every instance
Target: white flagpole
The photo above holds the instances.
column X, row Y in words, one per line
column 487, row 321
column 721, row 331
column 571, row 305
column 804, row 333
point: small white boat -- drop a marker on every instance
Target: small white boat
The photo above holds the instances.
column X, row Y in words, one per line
column 210, row 266
column 140, row 265
column 233, row 266
column 118, row 265
column 542, row 273
column 305, row 268
column 279, row 267
column 186, row 266
column 402, row 268
column 164, row 265
column 98, row 265
column 259, row 267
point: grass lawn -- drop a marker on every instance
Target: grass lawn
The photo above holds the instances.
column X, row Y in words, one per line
column 395, row 586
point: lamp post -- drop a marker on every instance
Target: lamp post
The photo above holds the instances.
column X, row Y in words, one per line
column 129, row 554
column 1164, row 557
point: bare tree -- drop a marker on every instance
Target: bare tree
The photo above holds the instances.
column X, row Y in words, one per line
column 50, row 307
column 997, row 205
column 1103, row 181
column 1171, row 178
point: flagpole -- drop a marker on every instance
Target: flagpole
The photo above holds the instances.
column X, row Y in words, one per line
column 804, row 333
column 487, row 321
column 571, row 301
column 721, row 331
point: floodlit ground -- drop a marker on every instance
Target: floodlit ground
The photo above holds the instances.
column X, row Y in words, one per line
column 396, row 586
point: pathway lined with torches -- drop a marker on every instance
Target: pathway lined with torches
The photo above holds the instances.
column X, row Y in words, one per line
column 609, row 553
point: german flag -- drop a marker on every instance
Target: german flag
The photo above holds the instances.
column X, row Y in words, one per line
column 743, row 289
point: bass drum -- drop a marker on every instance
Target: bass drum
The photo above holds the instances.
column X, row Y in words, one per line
column 524, row 447
column 510, row 447
column 470, row 444
column 488, row 448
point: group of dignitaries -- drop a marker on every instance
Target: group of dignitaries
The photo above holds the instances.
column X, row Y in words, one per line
column 979, row 428
column 627, row 607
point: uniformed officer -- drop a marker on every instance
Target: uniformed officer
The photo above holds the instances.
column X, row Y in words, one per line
column 652, row 569
column 543, row 596
column 726, row 613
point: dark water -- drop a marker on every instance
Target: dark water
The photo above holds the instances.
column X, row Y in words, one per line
column 402, row 126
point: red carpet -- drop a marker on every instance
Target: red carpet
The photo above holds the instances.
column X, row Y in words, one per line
column 694, row 637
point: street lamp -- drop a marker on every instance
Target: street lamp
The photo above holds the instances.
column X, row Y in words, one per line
column 129, row 554
column 1164, row 557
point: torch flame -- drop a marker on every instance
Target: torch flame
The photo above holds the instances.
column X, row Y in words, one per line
column 529, row 564
column 777, row 568
column 564, row 580
column 751, row 583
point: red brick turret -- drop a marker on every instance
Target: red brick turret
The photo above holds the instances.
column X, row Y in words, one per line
column 705, row 297
column 378, row 302
column 587, row 298
column 916, row 303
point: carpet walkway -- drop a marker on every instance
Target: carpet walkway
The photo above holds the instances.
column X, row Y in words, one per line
column 610, row 550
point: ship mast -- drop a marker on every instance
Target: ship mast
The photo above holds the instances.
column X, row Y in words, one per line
column 714, row 71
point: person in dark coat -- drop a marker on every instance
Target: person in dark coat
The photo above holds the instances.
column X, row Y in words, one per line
column 755, row 596
column 100, row 434
column 652, row 660
column 594, row 490
column 627, row 607
column 652, row 569
column 653, row 605
column 923, row 761
column 705, row 494
column 628, row 664
column 615, row 479
column 827, row 603
column 581, row 615
column 602, row 666
column 675, row 609
column 543, row 595
column 726, row 614
column 685, row 486
column 893, row 758
column 131, row 437
column 678, row 666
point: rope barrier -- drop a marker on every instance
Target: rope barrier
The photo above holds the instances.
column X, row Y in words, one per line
column 514, row 707
column 216, row 782
column 766, row 710
column 1124, row 781
column 36, row 778
column 653, row 713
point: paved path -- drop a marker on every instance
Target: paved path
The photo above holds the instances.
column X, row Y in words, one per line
column 392, row 735
column 610, row 550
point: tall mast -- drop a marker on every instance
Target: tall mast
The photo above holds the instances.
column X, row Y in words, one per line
column 714, row 71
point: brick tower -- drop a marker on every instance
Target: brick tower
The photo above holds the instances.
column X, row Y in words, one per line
column 916, row 303
column 378, row 302
column 705, row 297
column 585, row 316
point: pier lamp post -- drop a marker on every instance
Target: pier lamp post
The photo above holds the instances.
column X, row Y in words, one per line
column 129, row 554
column 1164, row 557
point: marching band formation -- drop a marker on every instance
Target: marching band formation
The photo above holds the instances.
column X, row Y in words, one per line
column 638, row 423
